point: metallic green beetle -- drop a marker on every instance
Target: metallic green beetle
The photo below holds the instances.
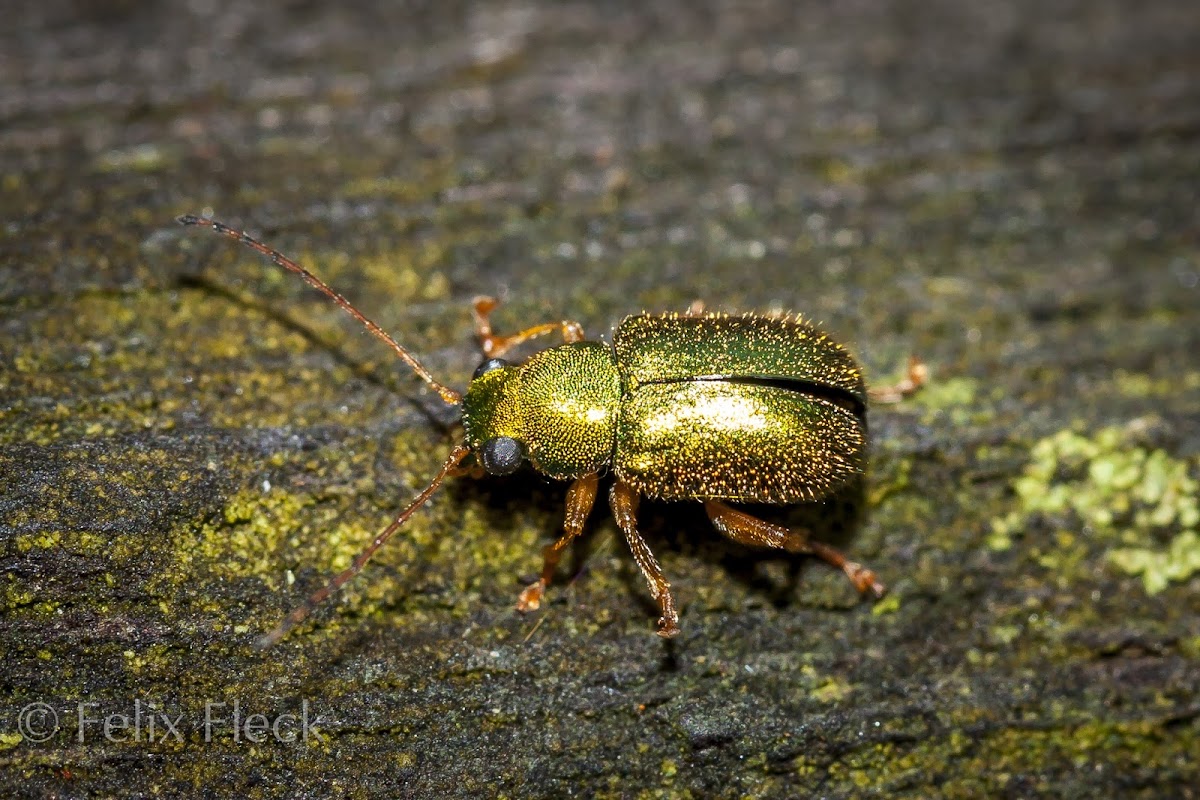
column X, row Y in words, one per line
column 703, row 407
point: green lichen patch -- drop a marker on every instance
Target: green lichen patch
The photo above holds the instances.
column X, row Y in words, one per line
column 1119, row 492
column 832, row 690
column 951, row 402
column 1178, row 562
column 888, row 605
column 896, row 478
column 1004, row 759
column 948, row 393
column 295, row 530
column 405, row 274
column 247, row 538
column 1138, row 384
column 261, row 520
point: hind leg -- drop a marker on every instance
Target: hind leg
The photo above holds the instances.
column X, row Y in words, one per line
column 746, row 529
column 918, row 373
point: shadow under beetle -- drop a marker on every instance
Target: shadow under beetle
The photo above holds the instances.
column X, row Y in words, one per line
column 706, row 407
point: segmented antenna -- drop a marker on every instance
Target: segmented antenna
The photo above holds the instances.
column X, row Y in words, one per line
column 447, row 394
column 301, row 612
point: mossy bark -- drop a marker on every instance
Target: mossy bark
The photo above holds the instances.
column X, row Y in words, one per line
column 191, row 440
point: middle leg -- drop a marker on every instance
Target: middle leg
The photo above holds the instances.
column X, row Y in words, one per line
column 624, row 502
column 746, row 529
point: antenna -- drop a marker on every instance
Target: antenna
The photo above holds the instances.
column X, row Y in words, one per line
column 447, row 394
column 301, row 612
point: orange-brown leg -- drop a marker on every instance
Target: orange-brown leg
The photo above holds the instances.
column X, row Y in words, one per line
column 580, row 498
column 748, row 530
column 624, row 502
column 495, row 346
column 914, row 380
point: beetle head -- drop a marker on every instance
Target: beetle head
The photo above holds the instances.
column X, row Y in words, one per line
column 492, row 417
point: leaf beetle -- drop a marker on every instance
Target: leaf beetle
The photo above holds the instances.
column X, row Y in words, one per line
column 713, row 408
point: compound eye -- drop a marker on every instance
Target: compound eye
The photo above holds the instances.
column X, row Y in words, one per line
column 489, row 365
column 501, row 456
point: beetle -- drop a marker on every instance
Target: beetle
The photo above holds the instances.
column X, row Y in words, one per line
column 714, row 408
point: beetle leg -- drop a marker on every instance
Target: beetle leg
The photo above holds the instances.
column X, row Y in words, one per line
column 495, row 346
column 748, row 530
column 580, row 498
column 623, row 500
column 915, row 379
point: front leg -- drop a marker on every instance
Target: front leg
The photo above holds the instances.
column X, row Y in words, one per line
column 495, row 346
column 580, row 499
column 623, row 500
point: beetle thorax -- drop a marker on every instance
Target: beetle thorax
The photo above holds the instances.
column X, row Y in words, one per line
column 561, row 405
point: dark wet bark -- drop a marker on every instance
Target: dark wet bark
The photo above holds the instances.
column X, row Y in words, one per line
column 1008, row 189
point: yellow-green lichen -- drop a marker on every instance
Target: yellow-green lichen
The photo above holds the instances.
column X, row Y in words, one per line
column 15, row 595
column 404, row 275
column 255, row 525
column 954, row 399
column 832, row 690
column 1178, row 562
column 949, row 393
column 987, row 762
column 888, row 605
column 262, row 532
column 897, row 481
column 1136, row 384
column 1119, row 490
